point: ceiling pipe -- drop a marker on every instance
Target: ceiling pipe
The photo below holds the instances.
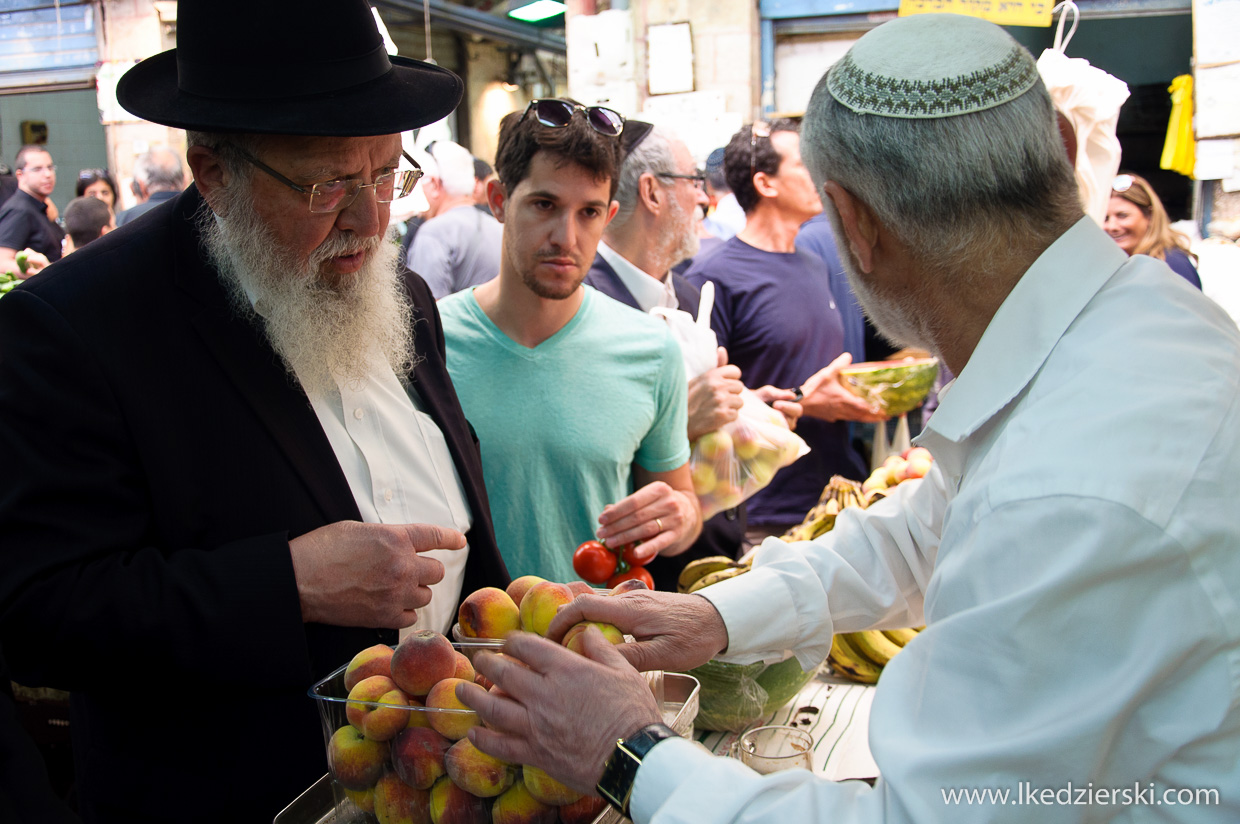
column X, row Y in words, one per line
column 471, row 21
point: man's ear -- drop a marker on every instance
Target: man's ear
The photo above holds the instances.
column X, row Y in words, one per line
column 611, row 210
column 858, row 221
column 209, row 174
column 497, row 198
column 763, row 185
column 648, row 191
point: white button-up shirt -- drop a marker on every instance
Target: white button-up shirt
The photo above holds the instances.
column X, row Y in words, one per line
column 648, row 290
column 1075, row 556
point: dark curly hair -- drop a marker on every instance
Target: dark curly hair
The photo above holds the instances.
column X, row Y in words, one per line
column 522, row 137
column 737, row 157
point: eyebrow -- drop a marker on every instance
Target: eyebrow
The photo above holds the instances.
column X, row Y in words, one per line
column 545, row 195
column 325, row 172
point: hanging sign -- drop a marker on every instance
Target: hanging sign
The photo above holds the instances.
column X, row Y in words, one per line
column 1000, row 12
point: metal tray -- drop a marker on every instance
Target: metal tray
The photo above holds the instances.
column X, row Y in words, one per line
column 317, row 805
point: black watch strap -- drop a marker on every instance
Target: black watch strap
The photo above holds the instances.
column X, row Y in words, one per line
column 620, row 772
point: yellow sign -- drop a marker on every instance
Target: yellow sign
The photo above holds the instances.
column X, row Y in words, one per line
column 1002, row 12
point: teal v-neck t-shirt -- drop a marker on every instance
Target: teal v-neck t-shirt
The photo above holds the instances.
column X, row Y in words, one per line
column 561, row 424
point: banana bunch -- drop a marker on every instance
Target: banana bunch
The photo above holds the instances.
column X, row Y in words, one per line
column 838, row 494
column 706, row 571
column 861, row 656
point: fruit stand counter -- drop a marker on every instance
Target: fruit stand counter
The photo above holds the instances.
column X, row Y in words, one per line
column 836, row 714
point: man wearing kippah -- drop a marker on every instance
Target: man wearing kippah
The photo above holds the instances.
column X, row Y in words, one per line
column 1073, row 559
column 230, row 453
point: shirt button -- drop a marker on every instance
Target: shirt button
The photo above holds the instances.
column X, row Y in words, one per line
column 387, row 495
column 358, row 413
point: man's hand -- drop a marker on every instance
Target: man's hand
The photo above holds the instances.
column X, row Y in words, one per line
column 714, row 397
column 664, row 516
column 559, row 711
column 671, row 631
column 828, row 399
column 783, row 401
column 368, row 575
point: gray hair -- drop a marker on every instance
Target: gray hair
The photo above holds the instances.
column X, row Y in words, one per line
column 454, row 168
column 160, row 170
column 952, row 188
column 653, row 154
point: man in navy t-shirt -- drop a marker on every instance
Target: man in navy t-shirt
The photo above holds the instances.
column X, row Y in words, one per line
column 775, row 314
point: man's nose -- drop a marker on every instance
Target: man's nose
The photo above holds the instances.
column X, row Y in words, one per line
column 365, row 215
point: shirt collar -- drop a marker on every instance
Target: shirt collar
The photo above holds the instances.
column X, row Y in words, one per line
column 1020, row 337
column 649, row 291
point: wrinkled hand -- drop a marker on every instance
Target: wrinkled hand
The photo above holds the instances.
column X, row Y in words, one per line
column 714, row 397
column 368, row 575
column 781, row 400
column 828, row 399
column 664, row 519
column 670, row 631
column 559, row 711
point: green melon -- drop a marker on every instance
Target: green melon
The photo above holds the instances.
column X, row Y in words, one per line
column 735, row 696
column 895, row 387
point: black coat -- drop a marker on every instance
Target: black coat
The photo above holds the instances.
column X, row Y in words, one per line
column 722, row 534
column 155, row 460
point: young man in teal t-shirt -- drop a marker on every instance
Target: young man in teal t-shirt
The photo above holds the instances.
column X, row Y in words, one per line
column 577, row 400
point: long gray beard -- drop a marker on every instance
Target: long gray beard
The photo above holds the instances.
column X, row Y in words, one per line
column 325, row 334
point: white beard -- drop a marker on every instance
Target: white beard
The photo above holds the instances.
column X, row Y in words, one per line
column 683, row 225
column 325, row 334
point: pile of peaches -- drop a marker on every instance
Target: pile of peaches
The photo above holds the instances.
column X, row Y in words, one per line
column 404, row 755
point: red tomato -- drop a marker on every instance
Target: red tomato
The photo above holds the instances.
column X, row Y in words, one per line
column 631, row 559
column 594, row 562
column 636, row 573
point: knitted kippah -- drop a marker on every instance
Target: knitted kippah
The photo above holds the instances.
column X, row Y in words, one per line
column 930, row 66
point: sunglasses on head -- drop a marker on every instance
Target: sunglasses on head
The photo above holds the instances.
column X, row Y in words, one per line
column 760, row 128
column 1122, row 183
column 87, row 174
column 556, row 114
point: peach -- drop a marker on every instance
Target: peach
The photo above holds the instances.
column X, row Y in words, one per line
column 421, row 660
column 488, row 613
column 364, row 800
column 746, row 442
column 917, row 467
column 464, row 667
column 453, row 725
column 517, row 806
column 540, row 605
column 355, row 761
column 572, row 638
column 418, row 756
column 378, row 723
column 452, row 805
column 517, row 589
column 704, row 478
column 376, row 660
column 579, row 588
column 546, row 789
column 582, row 811
column 482, row 681
column 396, row 802
column 416, row 717
column 628, row 585
column 477, row 772
column 714, row 446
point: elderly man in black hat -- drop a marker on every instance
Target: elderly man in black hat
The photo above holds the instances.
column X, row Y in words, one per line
column 230, row 453
column 1074, row 562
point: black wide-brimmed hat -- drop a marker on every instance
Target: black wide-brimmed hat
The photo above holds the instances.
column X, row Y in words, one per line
column 283, row 67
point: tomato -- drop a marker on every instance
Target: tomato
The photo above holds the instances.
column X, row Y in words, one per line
column 593, row 562
column 636, row 573
column 630, row 558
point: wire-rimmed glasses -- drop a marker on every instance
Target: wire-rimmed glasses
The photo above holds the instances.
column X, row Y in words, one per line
column 698, row 178
column 335, row 195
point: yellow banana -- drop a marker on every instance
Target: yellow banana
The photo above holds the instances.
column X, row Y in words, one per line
column 716, row 577
column 874, row 645
column 848, row 662
column 700, row 568
column 900, row 637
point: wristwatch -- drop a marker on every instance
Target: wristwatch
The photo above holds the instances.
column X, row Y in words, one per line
column 620, row 771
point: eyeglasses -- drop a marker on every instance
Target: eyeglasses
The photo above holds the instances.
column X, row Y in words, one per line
column 760, row 128
column 699, row 179
column 556, row 114
column 1122, row 183
column 335, row 195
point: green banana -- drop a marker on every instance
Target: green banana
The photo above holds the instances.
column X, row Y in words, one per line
column 701, row 567
column 716, row 577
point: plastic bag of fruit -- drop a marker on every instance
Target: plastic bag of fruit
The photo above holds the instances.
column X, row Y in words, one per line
column 736, row 460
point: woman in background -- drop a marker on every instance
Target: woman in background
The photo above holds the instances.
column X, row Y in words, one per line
column 1137, row 221
column 97, row 183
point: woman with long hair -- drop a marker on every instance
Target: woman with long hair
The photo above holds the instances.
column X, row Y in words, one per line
column 1137, row 221
column 97, row 183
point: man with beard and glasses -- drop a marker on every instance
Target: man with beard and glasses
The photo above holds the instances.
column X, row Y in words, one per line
column 579, row 402
column 1075, row 567
column 776, row 316
column 231, row 456
column 658, row 192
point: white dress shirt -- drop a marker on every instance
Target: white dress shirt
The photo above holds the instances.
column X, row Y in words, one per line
column 648, row 290
column 1075, row 556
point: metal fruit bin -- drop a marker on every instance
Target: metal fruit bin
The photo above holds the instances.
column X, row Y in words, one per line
column 326, row 801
